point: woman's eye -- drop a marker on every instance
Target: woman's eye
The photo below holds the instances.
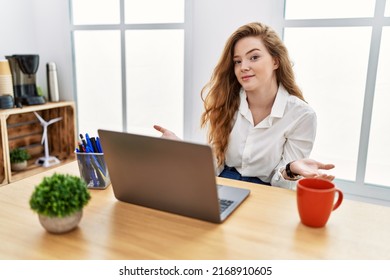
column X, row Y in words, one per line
column 255, row 57
column 235, row 62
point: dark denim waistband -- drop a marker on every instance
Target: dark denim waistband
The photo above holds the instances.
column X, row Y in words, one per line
column 232, row 173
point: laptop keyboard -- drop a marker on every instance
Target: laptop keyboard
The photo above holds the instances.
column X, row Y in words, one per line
column 224, row 204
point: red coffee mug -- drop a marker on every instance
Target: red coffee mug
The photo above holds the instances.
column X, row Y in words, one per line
column 315, row 200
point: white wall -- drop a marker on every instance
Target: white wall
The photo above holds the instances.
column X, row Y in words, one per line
column 54, row 42
column 39, row 27
column 42, row 26
column 17, row 31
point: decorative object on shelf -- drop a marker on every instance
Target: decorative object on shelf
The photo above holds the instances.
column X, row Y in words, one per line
column 24, row 68
column 47, row 160
column 21, row 128
column 52, row 82
column 18, row 159
column 59, row 201
column 6, row 86
column 6, row 102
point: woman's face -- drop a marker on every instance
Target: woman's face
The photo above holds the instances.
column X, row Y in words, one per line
column 254, row 67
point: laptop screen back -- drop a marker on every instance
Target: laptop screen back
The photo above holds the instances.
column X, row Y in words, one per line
column 164, row 174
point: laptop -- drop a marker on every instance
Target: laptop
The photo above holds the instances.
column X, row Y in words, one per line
column 168, row 175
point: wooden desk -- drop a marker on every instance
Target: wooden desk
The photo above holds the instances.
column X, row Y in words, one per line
column 266, row 226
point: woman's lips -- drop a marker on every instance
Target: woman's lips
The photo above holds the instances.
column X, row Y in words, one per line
column 247, row 77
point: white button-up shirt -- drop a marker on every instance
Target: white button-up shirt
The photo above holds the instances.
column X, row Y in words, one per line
column 285, row 135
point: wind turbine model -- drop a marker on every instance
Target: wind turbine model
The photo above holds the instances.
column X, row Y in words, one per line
column 47, row 160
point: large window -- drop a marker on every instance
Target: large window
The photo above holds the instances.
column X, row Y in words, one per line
column 129, row 64
column 341, row 57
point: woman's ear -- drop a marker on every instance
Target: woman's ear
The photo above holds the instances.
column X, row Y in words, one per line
column 276, row 63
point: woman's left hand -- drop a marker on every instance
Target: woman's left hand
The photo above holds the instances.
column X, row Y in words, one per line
column 310, row 168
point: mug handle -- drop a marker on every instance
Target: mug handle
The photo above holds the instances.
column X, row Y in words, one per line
column 339, row 199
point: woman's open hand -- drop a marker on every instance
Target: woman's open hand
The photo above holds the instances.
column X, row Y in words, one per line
column 166, row 133
column 310, row 168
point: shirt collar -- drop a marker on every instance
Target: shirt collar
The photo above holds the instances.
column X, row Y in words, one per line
column 278, row 107
column 244, row 106
column 280, row 102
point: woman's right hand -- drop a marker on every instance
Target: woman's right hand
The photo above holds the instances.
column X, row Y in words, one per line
column 166, row 133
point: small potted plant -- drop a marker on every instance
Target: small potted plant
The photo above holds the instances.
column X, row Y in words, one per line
column 59, row 201
column 18, row 159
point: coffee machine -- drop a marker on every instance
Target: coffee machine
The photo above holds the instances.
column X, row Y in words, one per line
column 24, row 68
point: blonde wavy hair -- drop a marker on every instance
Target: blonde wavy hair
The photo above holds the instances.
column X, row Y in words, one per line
column 221, row 94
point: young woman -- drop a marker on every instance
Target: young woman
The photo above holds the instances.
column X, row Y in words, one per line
column 259, row 125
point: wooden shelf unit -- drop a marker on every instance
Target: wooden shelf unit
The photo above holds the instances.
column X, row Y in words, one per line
column 20, row 128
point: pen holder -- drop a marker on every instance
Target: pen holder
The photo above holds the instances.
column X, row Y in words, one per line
column 93, row 170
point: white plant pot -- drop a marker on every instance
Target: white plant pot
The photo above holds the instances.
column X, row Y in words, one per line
column 18, row 166
column 61, row 225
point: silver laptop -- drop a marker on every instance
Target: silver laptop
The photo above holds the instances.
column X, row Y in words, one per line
column 168, row 175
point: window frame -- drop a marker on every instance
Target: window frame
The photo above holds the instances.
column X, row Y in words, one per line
column 358, row 189
column 123, row 27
